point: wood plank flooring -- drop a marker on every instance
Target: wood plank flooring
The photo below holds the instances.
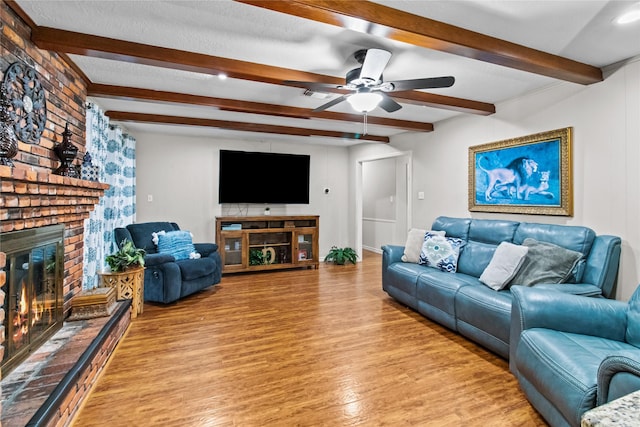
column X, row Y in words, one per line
column 322, row 347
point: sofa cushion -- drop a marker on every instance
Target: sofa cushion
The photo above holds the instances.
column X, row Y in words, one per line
column 441, row 252
column 413, row 245
column 453, row 227
column 484, row 236
column 192, row 269
column 436, row 293
column 177, row 243
column 141, row 234
column 484, row 315
column 546, row 263
column 505, row 263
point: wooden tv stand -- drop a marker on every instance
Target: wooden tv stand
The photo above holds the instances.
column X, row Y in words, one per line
column 257, row 243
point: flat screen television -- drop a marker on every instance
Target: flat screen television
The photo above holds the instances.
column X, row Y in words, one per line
column 255, row 177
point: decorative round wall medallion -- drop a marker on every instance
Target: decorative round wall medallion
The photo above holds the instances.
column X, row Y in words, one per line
column 28, row 109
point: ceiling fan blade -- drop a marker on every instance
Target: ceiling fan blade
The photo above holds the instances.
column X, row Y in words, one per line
column 388, row 104
column 374, row 63
column 330, row 103
column 428, row 83
column 314, row 86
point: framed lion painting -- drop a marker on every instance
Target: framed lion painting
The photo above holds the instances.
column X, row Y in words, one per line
column 529, row 175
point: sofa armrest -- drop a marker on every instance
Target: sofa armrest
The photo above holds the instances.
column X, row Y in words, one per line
column 205, row 249
column 392, row 253
column 602, row 264
column 618, row 375
column 543, row 308
column 151, row 260
column 583, row 289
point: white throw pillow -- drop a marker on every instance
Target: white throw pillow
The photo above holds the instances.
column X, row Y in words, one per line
column 413, row 246
column 506, row 261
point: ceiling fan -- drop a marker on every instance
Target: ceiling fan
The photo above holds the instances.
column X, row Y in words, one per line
column 366, row 83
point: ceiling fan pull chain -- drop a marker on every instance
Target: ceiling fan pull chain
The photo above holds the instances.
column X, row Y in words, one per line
column 364, row 132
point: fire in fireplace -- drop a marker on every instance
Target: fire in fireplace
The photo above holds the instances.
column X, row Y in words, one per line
column 33, row 304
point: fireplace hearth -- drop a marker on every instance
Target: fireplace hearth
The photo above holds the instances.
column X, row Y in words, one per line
column 33, row 303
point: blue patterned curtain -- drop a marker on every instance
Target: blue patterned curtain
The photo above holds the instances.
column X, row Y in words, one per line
column 115, row 154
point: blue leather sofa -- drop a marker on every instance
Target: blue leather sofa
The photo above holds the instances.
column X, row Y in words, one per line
column 165, row 279
column 462, row 303
column 571, row 353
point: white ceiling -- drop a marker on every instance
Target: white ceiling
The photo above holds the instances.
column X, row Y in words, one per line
column 582, row 31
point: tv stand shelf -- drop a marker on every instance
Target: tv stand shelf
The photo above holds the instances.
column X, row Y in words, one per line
column 257, row 243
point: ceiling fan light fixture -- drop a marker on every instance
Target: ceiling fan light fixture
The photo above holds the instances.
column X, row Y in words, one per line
column 364, row 101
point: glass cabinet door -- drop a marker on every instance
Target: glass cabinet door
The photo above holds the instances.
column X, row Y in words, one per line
column 305, row 246
column 232, row 254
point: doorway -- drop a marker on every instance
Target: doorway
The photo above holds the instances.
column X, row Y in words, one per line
column 383, row 202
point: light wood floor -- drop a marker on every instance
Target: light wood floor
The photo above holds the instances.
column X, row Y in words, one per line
column 320, row 347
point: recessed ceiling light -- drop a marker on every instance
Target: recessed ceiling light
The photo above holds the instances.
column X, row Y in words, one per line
column 632, row 15
column 222, row 76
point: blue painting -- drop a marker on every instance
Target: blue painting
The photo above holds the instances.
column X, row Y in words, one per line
column 521, row 175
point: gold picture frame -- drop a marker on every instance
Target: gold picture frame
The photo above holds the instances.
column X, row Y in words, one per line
column 526, row 175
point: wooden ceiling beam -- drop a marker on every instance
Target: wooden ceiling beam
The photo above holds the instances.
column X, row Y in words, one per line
column 394, row 24
column 131, row 93
column 125, row 116
column 119, row 50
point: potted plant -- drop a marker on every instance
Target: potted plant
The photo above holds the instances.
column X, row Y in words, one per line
column 126, row 258
column 341, row 255
column 126, row 275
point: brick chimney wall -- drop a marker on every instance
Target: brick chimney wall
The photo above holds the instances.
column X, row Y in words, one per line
column 31, row 195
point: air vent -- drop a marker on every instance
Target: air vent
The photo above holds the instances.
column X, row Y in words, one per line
column 318, row 95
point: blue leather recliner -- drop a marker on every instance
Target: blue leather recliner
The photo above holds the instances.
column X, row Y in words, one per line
column 165, row 279
column 571, row 353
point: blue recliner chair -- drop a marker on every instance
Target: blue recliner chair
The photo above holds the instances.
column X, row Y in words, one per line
column 572, row 353
column 165, row 278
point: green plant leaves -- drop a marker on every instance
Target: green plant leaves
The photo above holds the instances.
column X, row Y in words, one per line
column 341, row 256
column 128, row 256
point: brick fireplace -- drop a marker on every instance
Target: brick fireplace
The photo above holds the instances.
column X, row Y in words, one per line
column 39, row 200
column 32, row 200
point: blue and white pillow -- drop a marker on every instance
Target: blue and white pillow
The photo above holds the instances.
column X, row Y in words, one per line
column 177, row 243
column 440, row 252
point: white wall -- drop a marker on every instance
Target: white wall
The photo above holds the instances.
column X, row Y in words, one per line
column 181, row 175
column 606, row 158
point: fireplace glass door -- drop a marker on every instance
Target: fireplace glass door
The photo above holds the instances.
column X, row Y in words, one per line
column 33, row 290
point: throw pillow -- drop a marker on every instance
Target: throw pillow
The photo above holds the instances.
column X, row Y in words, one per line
column 413, row 246
column 440, row 252
column 177, row 243
column 505, row 263
column 546, row 263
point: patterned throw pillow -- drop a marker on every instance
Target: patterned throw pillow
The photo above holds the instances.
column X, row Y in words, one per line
column 440, row 252
column 413, row 246
column 177, row 243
